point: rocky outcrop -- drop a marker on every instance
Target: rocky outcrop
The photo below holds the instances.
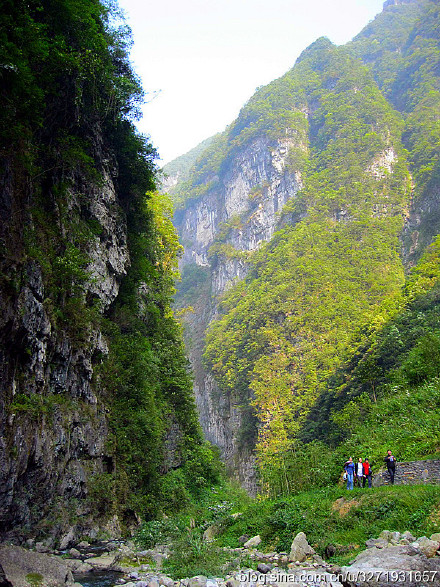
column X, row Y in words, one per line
column 53, row 429
column 395, row 558
column 422, row 224
column 24, row 568
column 219, row 230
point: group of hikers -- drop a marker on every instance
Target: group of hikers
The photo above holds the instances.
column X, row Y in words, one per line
column 360, row 473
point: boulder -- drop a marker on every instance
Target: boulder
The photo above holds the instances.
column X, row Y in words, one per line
column 67, row 539
column 428, row 547
column 408, row 536
column 252, row 542
column 263, row 568
column 198, row 581
column 386, row 535
column 376, row 542
column 300, row 549
column 380, row 567
column 435, row 537
column 73, row 564
column 3, row 579
column 84, row 568
column 21, row 567
column 74, row 553
column 106, row 562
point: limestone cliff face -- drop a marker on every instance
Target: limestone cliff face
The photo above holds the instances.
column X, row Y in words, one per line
column 219, row 230
column 53, row 429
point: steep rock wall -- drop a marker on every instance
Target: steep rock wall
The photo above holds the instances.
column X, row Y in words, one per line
column 234, row 218
column 53, row 429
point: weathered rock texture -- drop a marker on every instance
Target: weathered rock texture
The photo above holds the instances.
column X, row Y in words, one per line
column 404, row 565
column 300, row 549
column 410, row 473
column 52, row 429
column 247, row 199
column 23, row 568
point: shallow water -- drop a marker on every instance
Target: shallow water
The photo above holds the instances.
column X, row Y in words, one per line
column 101, row 579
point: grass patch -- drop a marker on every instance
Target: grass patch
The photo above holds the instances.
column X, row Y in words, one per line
column 35, row 579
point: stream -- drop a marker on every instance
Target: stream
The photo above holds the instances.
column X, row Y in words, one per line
column 98, row 579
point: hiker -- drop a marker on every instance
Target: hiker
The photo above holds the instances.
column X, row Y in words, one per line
column 349, row 469
column 390, row 461
column 359, row 472
column 367, row 473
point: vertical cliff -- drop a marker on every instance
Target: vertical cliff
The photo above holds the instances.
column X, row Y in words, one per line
column 97, row 417
column 239, row 208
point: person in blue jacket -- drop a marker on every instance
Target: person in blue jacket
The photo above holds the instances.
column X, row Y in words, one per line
column 349, row 469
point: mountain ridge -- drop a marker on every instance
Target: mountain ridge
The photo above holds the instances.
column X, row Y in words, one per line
column 331, row 122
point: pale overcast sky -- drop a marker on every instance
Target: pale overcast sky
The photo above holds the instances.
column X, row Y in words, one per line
column 203, row 59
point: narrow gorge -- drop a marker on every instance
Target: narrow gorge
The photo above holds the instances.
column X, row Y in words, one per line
column 177, row 342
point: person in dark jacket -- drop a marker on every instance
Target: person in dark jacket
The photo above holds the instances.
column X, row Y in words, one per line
column 390, row 461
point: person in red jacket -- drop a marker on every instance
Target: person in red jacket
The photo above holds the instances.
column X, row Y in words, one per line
column 367, row 472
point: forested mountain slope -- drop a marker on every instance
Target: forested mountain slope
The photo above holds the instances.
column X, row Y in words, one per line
column 97, row 417
column 317, row 199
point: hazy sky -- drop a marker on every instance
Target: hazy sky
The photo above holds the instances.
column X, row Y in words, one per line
column 201, row 60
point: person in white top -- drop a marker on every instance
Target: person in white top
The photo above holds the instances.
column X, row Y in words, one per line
column 359, row 472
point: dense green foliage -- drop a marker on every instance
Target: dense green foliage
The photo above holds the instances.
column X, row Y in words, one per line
column 147, row 378
column 69, row 100
column 191, row 554
column 401, row 46
column 326, row 521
